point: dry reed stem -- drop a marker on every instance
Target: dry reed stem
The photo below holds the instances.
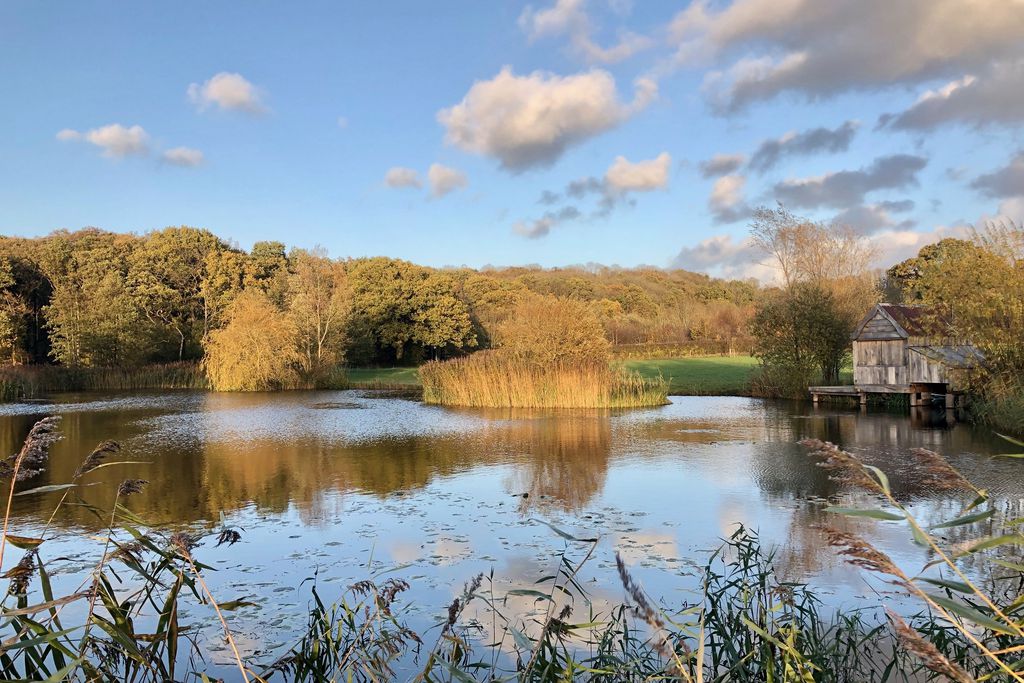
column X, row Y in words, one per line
column 926, row 652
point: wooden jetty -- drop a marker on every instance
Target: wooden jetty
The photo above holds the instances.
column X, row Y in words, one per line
column 899, row 349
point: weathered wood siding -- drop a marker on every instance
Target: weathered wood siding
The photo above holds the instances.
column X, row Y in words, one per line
column 880, row 362
column 877, row 328
column 926, row 371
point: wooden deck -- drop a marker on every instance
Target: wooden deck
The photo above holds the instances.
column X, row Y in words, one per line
column 861, row 392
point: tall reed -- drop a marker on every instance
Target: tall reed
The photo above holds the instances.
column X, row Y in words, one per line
column 494, row 379
column 33, row 381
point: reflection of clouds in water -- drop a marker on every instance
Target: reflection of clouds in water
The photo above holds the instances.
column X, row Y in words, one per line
column 404, row 552
column 450, row 551
column 647, row 547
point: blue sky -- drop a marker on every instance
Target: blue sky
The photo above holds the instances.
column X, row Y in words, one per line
column 319, row 122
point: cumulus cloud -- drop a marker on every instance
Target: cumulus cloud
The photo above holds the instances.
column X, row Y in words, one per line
column 724, row 256
column 621, row 181
column 814, row 141
column 542, row 226
column 996, row 97
column 569, row 17
column 726, row 202
column 818, row 49
column 721, row 164
column 183, row 156
column 640, row 176
column 229, row 91
column 115, row 140
column 1004, row 182
column 400, row 176
column 444, row 179
column 530, row 121
column 845, row 189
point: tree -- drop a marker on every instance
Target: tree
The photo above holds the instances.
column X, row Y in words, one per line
column 801, row 335
column 255, row 350
column 319, row 303
column 440, row 319
column 92, row 316
column 166, row 277
column 907, row 278
column 545, row 329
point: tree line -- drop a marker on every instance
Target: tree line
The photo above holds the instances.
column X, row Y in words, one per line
column 93, row 298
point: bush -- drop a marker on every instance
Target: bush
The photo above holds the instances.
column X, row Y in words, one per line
column 546, row 329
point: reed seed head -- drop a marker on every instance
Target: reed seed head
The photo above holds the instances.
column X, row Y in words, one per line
column 843, row 467
column 21, row 574
column 860, row 553
column 229, row 536
column 130, row 487
column 96, row 458
column 936, row 473
column 184, row 542
column 926, row 652
column 31, row 459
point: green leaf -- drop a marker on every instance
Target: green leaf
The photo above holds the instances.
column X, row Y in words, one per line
column 526, row 592
column 971, row 614
column 982, row 497
column 992, row 542
column 873, row 514
column 882, row 478
column 46, row 489
column 966, row 519
column 1015, row 442
column 565, row 535
column 958, row 586
column 919, row 537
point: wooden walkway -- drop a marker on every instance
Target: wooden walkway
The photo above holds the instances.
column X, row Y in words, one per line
column 860, row 392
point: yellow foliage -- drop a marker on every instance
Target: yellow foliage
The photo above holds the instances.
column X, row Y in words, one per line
column 545, row 330
column 255, row 350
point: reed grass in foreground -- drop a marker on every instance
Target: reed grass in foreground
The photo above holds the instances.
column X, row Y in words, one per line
column 491, row 379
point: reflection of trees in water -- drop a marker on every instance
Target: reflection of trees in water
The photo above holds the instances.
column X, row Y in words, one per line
column 565, row 457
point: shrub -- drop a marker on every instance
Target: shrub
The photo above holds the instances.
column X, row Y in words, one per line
column 547, row 329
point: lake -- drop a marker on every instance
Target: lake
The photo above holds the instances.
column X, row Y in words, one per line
column 336, row 485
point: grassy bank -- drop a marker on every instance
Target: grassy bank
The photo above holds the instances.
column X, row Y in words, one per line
column 692, row 376
column 494, row 380
column 700, row 376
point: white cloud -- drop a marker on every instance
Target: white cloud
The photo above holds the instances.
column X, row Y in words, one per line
column 724, row 256
column 444, row 179
column 640, row 176
column 530, row 121
column 400, row 176
column 1007, row 181
column 813, row 141
column 726, row 201
column 818, row 49
column 569, row 17
column 115, row 140
column 183, row 156
column 893, row 246
column 227, row 91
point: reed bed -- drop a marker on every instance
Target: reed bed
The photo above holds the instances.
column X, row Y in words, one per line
column 33, row 381
column 491, row 379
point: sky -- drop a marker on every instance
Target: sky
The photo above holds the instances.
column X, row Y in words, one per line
column 553, row 132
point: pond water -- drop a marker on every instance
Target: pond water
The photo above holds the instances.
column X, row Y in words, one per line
column 340, row 484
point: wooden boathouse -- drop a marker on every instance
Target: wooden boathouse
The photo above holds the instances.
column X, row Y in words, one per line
column 899, row 349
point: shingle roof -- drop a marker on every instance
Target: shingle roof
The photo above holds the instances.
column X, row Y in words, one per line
column 918, row 321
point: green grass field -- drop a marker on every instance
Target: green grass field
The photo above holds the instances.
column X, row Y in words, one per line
column 701, row 375
column 386, row 377
column 698, row 376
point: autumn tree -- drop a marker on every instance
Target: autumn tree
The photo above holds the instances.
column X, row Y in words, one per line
column 255, row 350
column 319, row 303
column 545, row 329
